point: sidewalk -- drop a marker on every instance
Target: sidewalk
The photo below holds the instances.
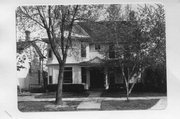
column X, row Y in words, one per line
column 32, row 98
column 161, row 104
column 93, row 104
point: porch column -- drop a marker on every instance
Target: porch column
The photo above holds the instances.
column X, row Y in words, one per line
column 106, row 78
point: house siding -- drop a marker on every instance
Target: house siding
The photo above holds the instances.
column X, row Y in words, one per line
column 74, row 54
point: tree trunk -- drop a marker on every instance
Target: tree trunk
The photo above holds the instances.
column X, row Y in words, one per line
column 127, row 91
column 127, row 97
column 126, row 80
column 60, row 85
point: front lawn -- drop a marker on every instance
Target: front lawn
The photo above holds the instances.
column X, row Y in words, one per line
column 65, row 95
column 131, row 105
column 39, row 106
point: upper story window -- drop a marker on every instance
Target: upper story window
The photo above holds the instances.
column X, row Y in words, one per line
column 111, row 51
column 83, row 50
column 97, row 47
column 49, row 53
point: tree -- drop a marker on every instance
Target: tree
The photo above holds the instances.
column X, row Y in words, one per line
column 115, row 13
column 55, row 20
column 151, row 20
column 152, row 24
column 126, row 45
column 139, row 43
column 58, row 22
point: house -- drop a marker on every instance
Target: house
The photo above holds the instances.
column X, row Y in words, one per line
column 92, row 45
column 29, row 63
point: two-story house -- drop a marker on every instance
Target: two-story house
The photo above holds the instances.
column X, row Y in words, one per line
column 92, row 44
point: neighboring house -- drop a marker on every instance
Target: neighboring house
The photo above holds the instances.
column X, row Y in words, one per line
column 85, row 61
column 29, row 64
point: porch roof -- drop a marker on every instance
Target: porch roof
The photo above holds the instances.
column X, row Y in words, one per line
column 93, row 62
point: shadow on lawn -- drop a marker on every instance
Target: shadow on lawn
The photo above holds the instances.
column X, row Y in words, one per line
column 39, row 106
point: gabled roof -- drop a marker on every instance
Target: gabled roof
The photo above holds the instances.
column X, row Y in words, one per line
column 104, row 31
column 109, row 31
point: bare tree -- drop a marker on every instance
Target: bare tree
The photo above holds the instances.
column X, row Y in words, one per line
column 58, row 22
column 55, row 20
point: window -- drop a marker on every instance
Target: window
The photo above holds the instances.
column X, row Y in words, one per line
column 111, row 51
column 50, row 53
column 83, row 50
column 68, row 75
column 83, row 74
column 50, row 79
column 97, row 47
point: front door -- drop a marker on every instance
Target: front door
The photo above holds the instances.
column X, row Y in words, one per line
column 96, row 78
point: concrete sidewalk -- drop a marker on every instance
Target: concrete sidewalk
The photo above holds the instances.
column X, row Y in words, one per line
column 161, row 104
column 32, row 98
column 92, row 104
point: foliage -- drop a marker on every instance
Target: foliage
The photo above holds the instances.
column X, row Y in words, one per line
column 152, row 24
column 142, row 44
column 114, row 12
column 21, row 61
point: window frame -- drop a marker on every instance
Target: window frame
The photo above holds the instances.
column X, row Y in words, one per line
column 68, row 70
column 83, row 50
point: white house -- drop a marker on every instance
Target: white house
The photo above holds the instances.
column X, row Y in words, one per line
column 85, row 61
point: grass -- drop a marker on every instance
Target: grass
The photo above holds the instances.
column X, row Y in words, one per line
column 133, row 94
column 131, row 105
column 65, row 95
column 39, row 106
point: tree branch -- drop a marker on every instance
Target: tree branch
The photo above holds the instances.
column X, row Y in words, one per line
column 70, row 29
column 29, row 16
column 43, row 19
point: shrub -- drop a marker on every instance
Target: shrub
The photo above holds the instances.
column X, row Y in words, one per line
column 67, row 87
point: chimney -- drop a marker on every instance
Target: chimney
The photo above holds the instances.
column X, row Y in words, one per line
column 27, row 33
